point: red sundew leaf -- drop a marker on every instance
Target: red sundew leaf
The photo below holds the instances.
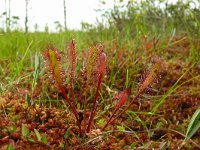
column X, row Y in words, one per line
column 91, row 61
column 72, row 56
column 149, row 44
column 102, row 63
column 95, row 63
column 150, row 77
column 124, row 95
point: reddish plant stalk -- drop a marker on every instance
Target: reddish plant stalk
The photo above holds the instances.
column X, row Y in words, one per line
column 84, row 113
column 94, row 103
column 101, row 70
column 73, row 108
column 109, row 121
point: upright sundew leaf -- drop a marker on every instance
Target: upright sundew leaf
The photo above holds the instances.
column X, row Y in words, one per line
column 101, row 66
column 53, row 58
column 91, row 61
column 102, row 63
column 123, row 98
column 150, row 77
column 72, row 54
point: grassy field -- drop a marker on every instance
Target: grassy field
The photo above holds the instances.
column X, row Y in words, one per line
column 151, row 64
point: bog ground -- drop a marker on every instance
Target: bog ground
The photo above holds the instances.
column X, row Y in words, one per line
column 133, row 84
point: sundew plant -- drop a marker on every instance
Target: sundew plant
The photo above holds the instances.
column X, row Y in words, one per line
column 95, row 64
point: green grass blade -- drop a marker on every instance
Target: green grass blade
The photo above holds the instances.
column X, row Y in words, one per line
column 194, row 124
column 28, row 99
column 26, row 52
column 127, row 78
column 36, row 70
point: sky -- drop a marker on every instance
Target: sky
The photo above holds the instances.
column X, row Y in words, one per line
column 45, row 12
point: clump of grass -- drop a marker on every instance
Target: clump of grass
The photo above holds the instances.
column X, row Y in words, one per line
column 95, row 63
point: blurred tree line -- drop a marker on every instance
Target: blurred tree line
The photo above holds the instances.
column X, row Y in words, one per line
column 135, row 16
column 128, row 16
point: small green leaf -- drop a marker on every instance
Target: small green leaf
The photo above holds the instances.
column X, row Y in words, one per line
column 62, row 146
column 31, row 140
column 78, row 106
column 67, row 134
column 9, row 147
column 44, row 139
column 133, row 145
column 101, row 122
column 37, row 135
column 121, row 128
column 25, row 131
column 12, row 128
